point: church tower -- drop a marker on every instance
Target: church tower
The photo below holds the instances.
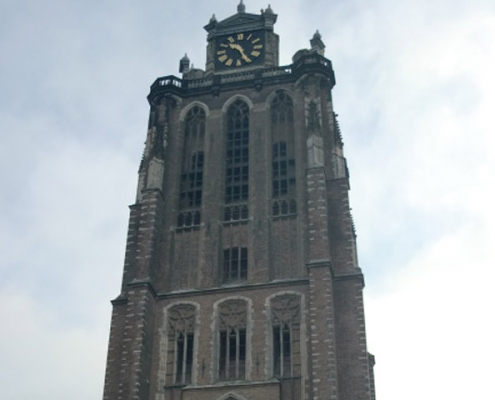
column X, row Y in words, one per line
column 241, row 279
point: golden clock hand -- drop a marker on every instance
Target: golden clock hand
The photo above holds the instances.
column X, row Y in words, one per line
column 239, row 48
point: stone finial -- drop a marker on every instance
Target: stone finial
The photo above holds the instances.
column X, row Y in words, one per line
column 317, row 44
column 184, row 64
column 269, row 16
column 241, row 8
column 213, row 19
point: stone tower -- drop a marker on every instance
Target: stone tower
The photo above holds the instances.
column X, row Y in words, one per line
column 241, row 279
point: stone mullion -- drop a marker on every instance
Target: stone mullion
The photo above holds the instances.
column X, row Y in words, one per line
column 172, row 358
column 184, row 358
column 237, row 352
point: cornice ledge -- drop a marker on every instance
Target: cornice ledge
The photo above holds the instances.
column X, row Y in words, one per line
column 350, row 277
column 120, row 300
column 326, row 262
column 234, row 288
column 136, row 283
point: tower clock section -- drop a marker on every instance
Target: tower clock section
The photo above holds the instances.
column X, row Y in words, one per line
column 242, row 41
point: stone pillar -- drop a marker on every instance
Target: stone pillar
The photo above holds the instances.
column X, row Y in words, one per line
column 321, row 346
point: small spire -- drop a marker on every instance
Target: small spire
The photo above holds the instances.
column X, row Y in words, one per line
column 269, row 10
column 184, row 64
column 317, row 44
column 213, row 19
column 241, row 8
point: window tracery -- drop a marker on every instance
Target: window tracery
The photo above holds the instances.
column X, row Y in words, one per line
column 181, row 329
column 286, row 320
column 232, row 340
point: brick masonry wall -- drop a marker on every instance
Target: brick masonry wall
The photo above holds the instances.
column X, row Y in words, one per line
column 322, row 353
column 353, row 361
column 116, row 347
column 130, row 347
column 310, row 254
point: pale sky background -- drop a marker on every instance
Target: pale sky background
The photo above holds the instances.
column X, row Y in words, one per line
column 415, row 96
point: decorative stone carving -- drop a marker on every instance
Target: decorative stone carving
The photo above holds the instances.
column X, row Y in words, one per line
column 313, row 116
column 314, row 145
column 181, row 318
column 286, row 309
column 233, row 313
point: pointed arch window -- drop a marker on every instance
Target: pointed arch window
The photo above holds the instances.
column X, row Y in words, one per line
column 237, row 153
column 232, row 340
column 191, row 185
column 286, row 321
column 181, row 327
column 283, row 160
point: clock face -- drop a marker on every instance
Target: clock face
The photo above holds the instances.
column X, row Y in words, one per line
column 240, row 49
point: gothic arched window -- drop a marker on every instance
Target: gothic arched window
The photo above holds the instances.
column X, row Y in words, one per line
column 232, row 326
column 283, row 163
column 237, row 153
column 191, row 185
column 286, row 321
column 181, row 327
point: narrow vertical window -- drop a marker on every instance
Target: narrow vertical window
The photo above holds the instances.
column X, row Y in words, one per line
column 191, row 184
column 232, row 340
column 235, row 264
column 181, row 320
column 283, row 171
column 283, row 163
column 285, row 335
column 237, row 153
column 282, row 350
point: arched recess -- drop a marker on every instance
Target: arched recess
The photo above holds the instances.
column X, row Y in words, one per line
column 192, row 163
column 234, row 98
column 237, row 127
column 179, row 340
column 286, row 254
column 195, row 103
column 283, row 163
column 270, row 98
column 285, row 356
column 232, row 330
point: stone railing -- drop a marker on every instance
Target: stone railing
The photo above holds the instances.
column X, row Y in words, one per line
column 259, row 77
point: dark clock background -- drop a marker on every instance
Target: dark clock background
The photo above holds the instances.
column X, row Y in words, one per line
column 234, row 54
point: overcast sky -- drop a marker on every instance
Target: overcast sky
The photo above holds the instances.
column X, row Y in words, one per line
column 415, row 96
